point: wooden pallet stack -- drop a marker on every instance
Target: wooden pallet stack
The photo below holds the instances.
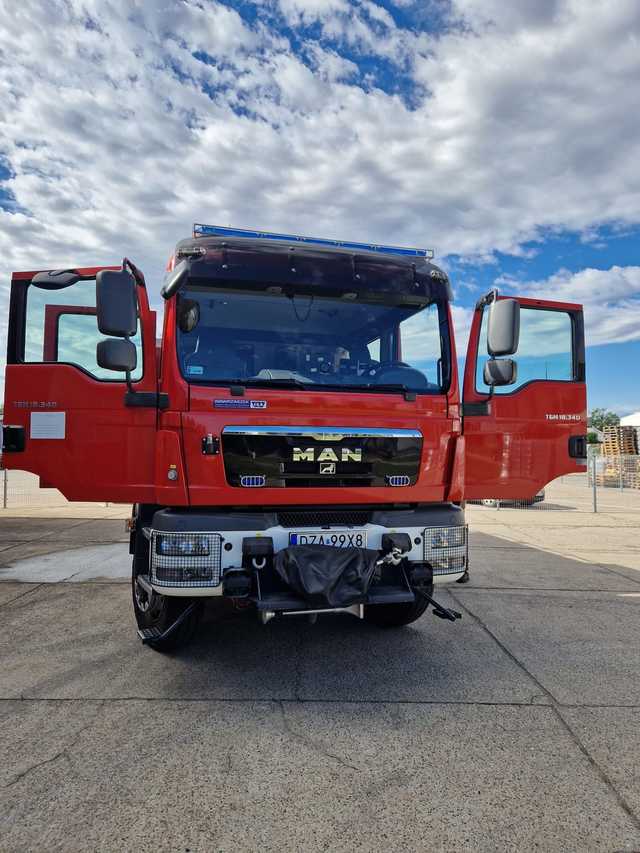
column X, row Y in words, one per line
column 620, row 441
column 622, row 462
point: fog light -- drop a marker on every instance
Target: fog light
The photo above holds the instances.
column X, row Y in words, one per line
column 450, row 564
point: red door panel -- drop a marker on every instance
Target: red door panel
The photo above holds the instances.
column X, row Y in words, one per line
column 79, row 435
column 516, row 441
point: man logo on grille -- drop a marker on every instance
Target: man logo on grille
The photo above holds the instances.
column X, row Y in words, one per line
column 327, row 454
column 327, row 467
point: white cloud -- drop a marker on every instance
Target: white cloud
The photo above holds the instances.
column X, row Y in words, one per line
column 308, row 11
column 119, row 137
column 611, row 300
column 498, row 15
column 447, row 139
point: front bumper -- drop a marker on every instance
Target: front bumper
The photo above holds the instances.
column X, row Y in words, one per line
column 437, row 534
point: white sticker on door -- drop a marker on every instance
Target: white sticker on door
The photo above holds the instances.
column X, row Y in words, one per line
column 47, row 425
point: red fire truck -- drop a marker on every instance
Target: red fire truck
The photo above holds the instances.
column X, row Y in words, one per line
column 298, row 441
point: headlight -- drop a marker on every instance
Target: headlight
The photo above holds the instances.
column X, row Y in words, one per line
column 185, row 559
column 448, row 537
column 445, row 549
column 182, row 546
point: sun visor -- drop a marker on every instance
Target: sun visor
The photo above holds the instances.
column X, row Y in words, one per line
column 258, row 265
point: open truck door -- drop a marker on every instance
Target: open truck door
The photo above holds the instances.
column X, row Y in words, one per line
column 81, row 396
column 524, row 399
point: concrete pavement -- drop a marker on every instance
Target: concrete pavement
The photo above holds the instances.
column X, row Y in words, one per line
column 514, row 729
column 565, row 524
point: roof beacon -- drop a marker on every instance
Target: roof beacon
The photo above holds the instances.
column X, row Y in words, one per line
column 200, row 230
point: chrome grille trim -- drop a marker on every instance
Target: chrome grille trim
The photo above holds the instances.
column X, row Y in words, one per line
column 323, row 433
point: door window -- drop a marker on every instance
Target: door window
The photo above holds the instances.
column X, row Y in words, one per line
column 545, row 350
column 61, row 326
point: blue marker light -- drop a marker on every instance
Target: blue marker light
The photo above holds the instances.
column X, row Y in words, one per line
column 200, row 230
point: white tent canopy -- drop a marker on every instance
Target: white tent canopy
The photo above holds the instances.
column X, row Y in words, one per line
column 631, row 420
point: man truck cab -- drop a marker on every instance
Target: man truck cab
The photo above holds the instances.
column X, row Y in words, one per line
column 298, row 442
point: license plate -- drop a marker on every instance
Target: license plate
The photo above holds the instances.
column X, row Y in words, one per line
column 335, row 538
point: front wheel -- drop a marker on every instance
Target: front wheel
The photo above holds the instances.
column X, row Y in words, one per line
column 159, row 612
column 395, row 615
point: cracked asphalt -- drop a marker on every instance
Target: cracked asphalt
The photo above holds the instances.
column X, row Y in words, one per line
column 517, row 728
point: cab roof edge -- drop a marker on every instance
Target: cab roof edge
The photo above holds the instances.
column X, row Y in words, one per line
column 201, row 230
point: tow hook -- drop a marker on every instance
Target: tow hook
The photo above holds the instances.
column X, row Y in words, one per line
column 395, row 547
column 393, row 558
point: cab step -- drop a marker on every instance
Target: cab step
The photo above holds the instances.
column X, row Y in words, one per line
column 148, row 635
column 153, row 635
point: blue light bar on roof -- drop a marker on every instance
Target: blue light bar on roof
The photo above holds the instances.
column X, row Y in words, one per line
column 218, row 231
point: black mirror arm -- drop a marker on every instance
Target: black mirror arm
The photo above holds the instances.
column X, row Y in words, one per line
column 135, row 272
column 143, row 399
column 487, row 299
column 127, row 378
column 127, row 373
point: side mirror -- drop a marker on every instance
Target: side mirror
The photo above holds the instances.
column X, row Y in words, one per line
column 117, row 354
column 500, row 371
column 503, row 333
column 175, row 279
column 116, row 303
column 55, row 279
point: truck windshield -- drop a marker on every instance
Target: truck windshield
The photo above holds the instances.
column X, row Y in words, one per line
column 300, row 341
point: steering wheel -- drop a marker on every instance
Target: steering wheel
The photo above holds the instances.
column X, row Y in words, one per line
column 401, row 373
column 389, row 365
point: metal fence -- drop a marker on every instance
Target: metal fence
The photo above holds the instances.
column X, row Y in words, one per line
column 611, row 484
column 21, row 489
column 615, row 472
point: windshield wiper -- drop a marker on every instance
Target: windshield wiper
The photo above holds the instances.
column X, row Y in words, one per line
column 409, row 395
column 389, row 386
column 290, row 382
column 285, row 381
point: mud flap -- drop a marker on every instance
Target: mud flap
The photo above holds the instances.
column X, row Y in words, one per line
column 326, row 576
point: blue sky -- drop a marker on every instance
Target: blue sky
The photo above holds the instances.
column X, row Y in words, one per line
column 505, row 136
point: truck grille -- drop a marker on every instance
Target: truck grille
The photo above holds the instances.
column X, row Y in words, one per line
column 320, row 457
column 324, row 518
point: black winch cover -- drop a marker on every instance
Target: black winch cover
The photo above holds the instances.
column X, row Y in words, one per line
column 325, row 576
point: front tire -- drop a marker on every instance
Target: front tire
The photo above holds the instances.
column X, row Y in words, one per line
column 395, row 615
